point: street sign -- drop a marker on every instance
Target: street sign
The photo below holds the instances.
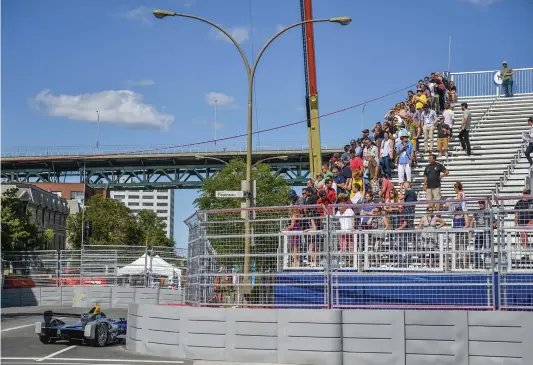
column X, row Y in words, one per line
column 229, row 194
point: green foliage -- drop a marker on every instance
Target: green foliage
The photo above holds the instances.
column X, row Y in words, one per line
column 48, row 235
column 225, row 230
column 18, row 230
column 115, row 224
column 272, row 190
column 152, row 229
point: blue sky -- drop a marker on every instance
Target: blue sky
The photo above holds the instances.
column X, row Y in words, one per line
column 153, row 80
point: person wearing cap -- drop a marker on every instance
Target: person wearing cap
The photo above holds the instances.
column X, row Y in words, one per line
column 428, row 117
column 405, row 155
column 366, row 134
column 293, row 197
column 506, row 75
column 529, row 138
column 464, row 134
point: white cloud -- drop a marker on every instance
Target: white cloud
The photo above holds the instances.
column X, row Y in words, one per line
column 279, row 27
column 146, row 82
column 482, row 2
column 222, row 100
column 240, row 34
column 141, row 14
column 123, row 107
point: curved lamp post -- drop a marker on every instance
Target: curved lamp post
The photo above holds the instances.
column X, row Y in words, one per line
column 250, row 71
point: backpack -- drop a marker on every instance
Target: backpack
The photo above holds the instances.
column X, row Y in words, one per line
column 445, row 81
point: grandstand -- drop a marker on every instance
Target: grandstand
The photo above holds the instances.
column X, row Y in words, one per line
column 497, row 166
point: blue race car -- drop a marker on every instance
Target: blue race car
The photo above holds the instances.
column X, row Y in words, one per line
column 93, row 328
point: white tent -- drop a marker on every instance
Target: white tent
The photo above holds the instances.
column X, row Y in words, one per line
column 155, row 265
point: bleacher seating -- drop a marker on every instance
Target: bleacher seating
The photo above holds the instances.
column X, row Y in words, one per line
column 497, row 165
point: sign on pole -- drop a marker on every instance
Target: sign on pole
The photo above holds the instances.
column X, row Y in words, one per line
column 229, row 194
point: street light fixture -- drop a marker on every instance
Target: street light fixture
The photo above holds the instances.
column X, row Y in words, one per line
column 250, row 71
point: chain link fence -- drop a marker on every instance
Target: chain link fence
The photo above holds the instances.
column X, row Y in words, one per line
column 454, row 254
column 132, row 266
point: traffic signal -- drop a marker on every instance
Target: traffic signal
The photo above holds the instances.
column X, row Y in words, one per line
column 88, row 228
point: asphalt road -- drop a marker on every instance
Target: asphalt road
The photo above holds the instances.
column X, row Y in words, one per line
column 21, row 346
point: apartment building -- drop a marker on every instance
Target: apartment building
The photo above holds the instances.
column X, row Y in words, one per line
column 160, row 201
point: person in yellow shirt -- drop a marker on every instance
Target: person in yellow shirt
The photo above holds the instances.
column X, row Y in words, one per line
column 357, row 180
column 421, row 99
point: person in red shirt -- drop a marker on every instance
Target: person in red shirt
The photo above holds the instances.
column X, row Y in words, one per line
column 331, row 194
column 356, row 163
column 385, row 187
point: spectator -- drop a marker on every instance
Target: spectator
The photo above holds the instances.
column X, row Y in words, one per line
column 356, row 194
column 464, row 134
column 433, row 175
column 461, row 220
column 346, row 218
column 372, row 170
column 357, row 182
column 356, row 163
column 428, row 224
column 342, row 176
column 294, row 240
column 386, row 154
column 529, row 139
column 523, row 216
column 346, row 156
column 452, row 93
column 506, row 75
column 459, row 194
column 410, row 100
column 428, row 117
column 368, row 211
column 293, row 197
column 392, row 218
column 448, row 115
column 443, row 136
column 331, row 193
column 482, row 240
column 370, row 149
column 311, row 187
column 441, row 88
column 405, row 154
column 420, row 99
column 385, row 188
column 366, row 134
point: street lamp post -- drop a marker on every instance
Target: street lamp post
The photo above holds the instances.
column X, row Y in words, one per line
column 250, row 70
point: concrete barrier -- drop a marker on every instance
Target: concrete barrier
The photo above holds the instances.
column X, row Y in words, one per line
column 363, row 337
column 87, row 296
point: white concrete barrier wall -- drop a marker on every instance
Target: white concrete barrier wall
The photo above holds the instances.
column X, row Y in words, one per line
column 87, row 296
column 330, row 337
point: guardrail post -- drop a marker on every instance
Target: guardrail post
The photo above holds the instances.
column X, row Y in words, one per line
column 327, row 269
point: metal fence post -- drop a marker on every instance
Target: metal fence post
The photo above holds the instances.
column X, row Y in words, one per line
column 146, row 264
column 495, row 280
column 58, row 253
column 328, row 259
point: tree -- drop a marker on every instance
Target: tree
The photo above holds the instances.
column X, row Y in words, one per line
column 152, row 229
column 272, row 189
column 114, row 224
column 18, row 230
column 226, row 229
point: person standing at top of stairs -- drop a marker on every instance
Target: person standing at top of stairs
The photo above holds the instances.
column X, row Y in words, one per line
column 506, row 74
column 529, row 138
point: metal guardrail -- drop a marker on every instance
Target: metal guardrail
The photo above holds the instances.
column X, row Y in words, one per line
column 134, row 266
column 482, row 83
column 382, row 256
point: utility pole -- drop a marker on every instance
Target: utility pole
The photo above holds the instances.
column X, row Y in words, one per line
column 97, row 130
column 313, row 124
column 215, row 123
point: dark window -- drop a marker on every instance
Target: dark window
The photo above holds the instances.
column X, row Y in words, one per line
column 162, row 204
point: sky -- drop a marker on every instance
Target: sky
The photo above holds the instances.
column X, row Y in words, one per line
column 154, row 82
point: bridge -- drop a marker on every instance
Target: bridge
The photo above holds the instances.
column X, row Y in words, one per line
column 150, row 168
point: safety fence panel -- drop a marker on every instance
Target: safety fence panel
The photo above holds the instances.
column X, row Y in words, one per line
column 30, row 268
column 515, row 220
column 354, row 256
column 483, row 83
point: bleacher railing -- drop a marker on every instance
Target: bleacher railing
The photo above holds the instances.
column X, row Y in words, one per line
column 483, row 83
column 131, row 266
column 383, row 256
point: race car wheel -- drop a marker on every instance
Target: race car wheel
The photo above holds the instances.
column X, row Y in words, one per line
column 47, row 340
column 102, row 335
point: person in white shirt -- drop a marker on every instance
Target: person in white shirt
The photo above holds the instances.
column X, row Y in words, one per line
column 529, row 138
column 448, row 115
column 429, row 118
column 346, row 218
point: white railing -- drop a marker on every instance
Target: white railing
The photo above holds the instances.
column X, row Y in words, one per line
column 482, row 83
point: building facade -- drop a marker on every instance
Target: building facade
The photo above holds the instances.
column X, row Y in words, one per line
column 161, row 201
column 72, row 191
column 47, row 209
